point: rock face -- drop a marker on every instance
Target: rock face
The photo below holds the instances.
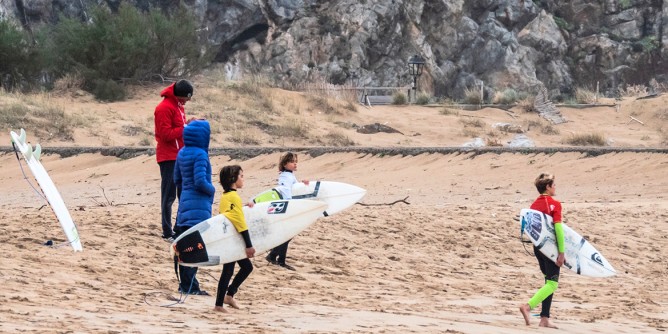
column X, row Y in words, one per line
column 498, row 44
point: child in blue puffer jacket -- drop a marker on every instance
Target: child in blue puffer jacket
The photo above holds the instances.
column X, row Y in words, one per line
column 192, row 173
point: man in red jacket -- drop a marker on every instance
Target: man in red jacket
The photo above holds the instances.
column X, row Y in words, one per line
column 170, row 119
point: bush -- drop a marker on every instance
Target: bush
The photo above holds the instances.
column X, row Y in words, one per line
column 108, row 90
column 447, row 111
column 508, row 96
column 549, row 130
column 399, row 98
column 562, row 23
column 127, row 45
column 472, row 96
column 422, row 99
column 585, row 96
column 21, row 59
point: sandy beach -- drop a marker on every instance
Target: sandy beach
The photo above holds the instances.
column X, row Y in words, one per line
column 447, row 260
column 450, row 261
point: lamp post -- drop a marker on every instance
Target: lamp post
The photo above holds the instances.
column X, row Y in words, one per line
column 415, row 66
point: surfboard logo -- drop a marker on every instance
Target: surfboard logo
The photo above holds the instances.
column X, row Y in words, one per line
column 536, row 226
column 277, row 208
column 596, row 257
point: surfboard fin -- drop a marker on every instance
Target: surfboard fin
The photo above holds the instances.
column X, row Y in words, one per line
column 214, row 260
column 22, row 136
column 37, row 152
column 27, row 151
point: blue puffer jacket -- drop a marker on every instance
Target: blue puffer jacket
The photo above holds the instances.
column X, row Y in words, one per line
column 192, row 173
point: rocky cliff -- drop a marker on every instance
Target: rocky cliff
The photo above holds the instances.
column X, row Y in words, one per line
column 516, row 44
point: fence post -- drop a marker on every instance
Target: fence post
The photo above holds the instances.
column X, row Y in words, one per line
column 482, row 93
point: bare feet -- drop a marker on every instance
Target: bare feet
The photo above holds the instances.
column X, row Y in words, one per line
column 524, row 309
column 229, row 300
column 220, row 309
column 545, row 322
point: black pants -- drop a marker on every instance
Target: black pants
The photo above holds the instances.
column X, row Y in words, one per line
column 280, row 252
column 551, row 272
column 168, row 194
column 245, row 268
column 187, row 275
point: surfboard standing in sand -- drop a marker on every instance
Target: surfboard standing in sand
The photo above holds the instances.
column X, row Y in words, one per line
column 49, row 190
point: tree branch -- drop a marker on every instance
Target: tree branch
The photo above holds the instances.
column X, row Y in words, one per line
column 389, row 204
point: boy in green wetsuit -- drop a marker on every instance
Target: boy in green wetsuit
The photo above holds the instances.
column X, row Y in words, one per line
column 548, row 205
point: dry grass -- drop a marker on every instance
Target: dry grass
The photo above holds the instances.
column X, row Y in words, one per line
column 509, row 128
column 549, row 129
column 422, row 98
column 472, row 122
column 493, row 142
column 658, row 87
column 663, row 132
column 336, row 138
column 322, row 104
column 527, row 104
column 291, row 127
column 37, row 112
column 585, row 96
column 68, row 83
column 250, row 113
column 591, row 139
column 494, row 133
column 473, row 127
column 244, row 135
column 146, row 141
column 507, row 96
column 399, row 98
column 448, row 111
column 351, row 106
column 634, row 91
column 662, row 114
column 543, row 126
column 254, row 113
column 472, row 96
column 471, row 132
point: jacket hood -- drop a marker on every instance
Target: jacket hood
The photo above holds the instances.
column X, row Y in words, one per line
column 197, row 134
column 168, row 92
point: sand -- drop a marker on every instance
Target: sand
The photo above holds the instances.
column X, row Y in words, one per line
column 448, row 262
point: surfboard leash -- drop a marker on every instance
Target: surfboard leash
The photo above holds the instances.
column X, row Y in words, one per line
column 25, row 177
column 180, row 300
column 524, row 244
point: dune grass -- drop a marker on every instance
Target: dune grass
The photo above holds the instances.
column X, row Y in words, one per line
column 590, row 139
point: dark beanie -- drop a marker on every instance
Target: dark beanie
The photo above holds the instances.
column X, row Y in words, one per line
column 183, row 88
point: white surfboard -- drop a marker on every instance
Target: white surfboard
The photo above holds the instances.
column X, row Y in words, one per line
column 216, row 241
column 48, row 188
column 580, row 256
column 338, row 195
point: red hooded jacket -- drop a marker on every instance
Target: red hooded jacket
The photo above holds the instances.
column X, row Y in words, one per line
column 170, row 118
